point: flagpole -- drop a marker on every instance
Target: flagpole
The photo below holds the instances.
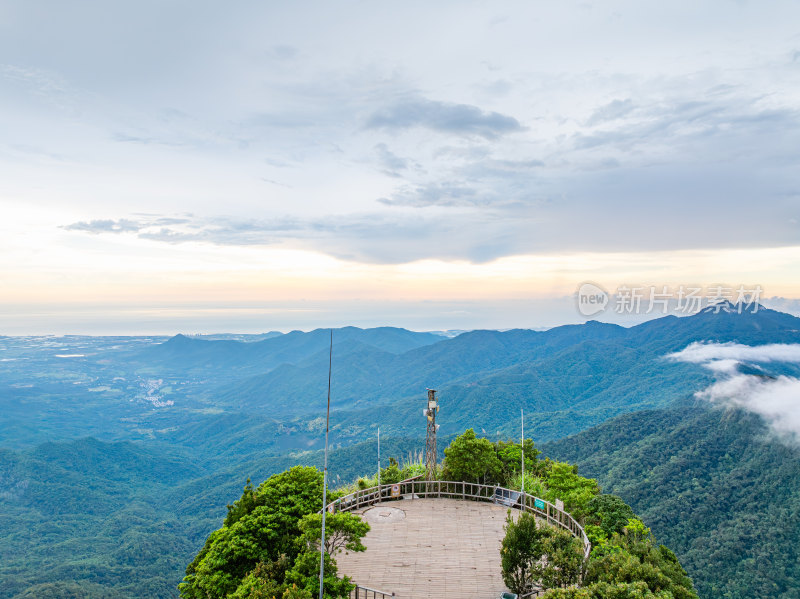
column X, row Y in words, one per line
column 325, row 474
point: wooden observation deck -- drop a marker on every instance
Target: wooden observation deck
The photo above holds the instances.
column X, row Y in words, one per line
column 438, row 539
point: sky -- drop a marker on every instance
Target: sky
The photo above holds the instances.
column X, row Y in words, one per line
column 209, row 167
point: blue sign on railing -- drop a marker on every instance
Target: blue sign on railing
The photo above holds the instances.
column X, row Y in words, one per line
column 538, row 503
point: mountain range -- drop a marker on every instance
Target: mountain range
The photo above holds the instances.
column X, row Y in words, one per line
column 120, row 451
column 716, row 486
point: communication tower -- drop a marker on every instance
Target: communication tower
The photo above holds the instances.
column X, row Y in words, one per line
column 430, row 442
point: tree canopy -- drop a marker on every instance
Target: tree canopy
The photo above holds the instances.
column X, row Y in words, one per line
column 536, row 556
column 631, row 566
column 343, row 530
column 471, row 459
column 268, row 542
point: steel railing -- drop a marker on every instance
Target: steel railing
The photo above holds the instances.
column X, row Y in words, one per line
column 417, row 489
column 367, row 593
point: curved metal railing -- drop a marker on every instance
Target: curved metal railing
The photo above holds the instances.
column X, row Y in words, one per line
column 417, row 489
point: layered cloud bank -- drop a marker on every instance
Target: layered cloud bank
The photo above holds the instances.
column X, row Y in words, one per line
column 343, row 135
column 776, row 398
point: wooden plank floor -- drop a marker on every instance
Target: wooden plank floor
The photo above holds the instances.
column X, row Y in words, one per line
column 444, row 548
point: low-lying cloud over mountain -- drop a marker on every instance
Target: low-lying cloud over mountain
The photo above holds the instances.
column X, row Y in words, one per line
column 742, row 382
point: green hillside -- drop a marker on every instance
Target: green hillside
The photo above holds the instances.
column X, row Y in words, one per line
column 714, row 485
column 567, row 379
column 205, row 415
column 123, row 519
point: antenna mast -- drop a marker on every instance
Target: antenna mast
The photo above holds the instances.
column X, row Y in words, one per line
column 325, row 474
column 522, row 421
column 430, row 442
column 379, row 461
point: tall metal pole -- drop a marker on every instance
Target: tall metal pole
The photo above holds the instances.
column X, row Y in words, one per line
column 379, row 463
column 522, row 417
column 325, row 474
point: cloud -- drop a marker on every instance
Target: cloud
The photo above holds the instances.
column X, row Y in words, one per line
column 284, row 51
column 445, row 117
column 707, row 353
column 783, row 304
column 436, row 194
column 141, row 139
column 680, row 122
column 391, row 162
column 607, row 187
column 105, row 226
column 123, row 225
column 675, row 162
column 479, row 182
column 370, row 237
column 610, row 112
column 775, row 398
column 43, row 83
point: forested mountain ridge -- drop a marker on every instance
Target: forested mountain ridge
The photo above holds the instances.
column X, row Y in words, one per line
column 567, row 378
column 191, row 353
column 121, row 520
column 571, row 378
column 715, row 485
column 200, row 432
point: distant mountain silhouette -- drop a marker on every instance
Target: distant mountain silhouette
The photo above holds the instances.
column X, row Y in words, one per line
column 182, row 353
column 566, row 378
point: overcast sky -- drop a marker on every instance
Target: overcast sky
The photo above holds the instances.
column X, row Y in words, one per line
column 246, row 166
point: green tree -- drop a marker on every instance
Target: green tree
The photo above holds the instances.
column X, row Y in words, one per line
column 575, row 491
column 264, row 582
column 609, row 512
column 521, row 552
column 636, row 531
column 634, row 558
column 392, row 473
column 296, row 593
column 597, row 536
column 510, row 456
column 305, row 574
column 244, row 505
column 537, row 556
column 262, row 526
column 291, row 495
column 563, row 559
column 343, row 530
column 533, row 484
column 572, row 593
column 471, row 459
column 604, row 590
